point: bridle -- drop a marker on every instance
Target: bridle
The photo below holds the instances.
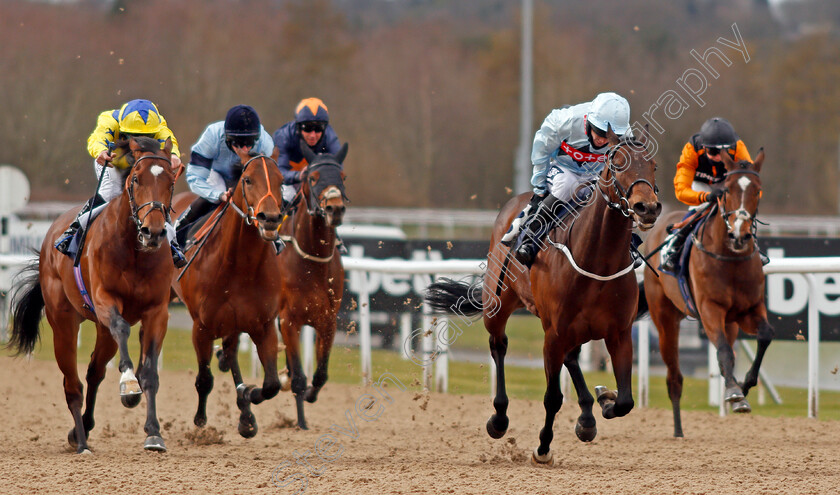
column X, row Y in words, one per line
column 153, row 205
column 740, row 214
column 622, row 205
column 250, row 211
column 315, row 205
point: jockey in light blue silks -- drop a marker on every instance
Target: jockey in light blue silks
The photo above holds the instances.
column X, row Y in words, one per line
column 215, row 168
column 569, row 150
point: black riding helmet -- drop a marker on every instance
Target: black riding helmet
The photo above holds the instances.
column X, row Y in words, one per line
column 242, row 126
column 718, row 133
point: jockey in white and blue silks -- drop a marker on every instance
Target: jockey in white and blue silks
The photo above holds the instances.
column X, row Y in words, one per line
column 568, row 151
column 215, row 168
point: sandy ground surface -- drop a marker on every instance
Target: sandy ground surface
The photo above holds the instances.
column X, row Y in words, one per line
column 418, row 444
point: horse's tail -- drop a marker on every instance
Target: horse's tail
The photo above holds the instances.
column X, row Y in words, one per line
column 643, row 308
column 26, row 308
column 455, row 297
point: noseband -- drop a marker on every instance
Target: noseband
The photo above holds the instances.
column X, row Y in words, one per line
column 153, row 205
column 251, row 217
column 623, row 203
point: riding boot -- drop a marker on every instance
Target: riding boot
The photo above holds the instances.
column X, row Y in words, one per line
column 279, row 246
column 339, row 243
column 197, row 209
column 537, row 225
column 764, row 258
column 672, row 250
column 177, row 255
column 65, row 239
column 523, row 218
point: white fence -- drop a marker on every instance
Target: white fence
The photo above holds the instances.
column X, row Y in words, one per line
column 435, row 349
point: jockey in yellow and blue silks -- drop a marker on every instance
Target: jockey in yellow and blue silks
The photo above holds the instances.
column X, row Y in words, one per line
column 568, row 151
column 312, row 126
column 135, row 118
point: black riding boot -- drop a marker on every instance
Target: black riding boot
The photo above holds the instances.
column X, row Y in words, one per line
column 64, row 240
column 547, row 213
column 671, row 253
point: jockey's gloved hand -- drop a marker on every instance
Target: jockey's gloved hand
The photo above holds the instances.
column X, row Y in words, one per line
column 714, row 195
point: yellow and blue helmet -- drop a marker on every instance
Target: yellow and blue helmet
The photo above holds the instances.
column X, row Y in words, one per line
column 139, row 117
column 311, row 110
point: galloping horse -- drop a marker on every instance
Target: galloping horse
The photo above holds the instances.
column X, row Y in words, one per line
column 726, row 280
column 311, row 274
column 231, row 286
column 574, row 305
column 127, row 279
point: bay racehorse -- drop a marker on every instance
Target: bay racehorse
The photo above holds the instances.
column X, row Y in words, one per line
column 126, row 275
column 726, row 280
column 583, row 288
column 311, row 273
column 231, row 285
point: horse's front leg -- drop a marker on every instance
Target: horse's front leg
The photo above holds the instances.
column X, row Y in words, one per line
column 266, row 341
column 152, row 333
column 291, row 338
column 130, row 391
column 103, row 351
column 326, row 336
column 620, row 346
column 722, row 336
column 585, row 428
column 758, row 325
column 247, row 421
column 203, row 345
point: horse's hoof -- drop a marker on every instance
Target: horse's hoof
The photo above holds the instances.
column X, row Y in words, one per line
column 243, row 395
column 497, row 426
column 85, row 452
column 302, row 424
column 733, row 394
column 604, row 394
column 285, row 381
column 200, row 421
column 585, row 434
column 742, row 406
column 220, row 355
column 542, row 460
column 311, row 395
column 131, row 401
column 247, row 425
column 154, row 443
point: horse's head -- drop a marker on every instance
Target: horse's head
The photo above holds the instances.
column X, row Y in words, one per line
column 149, row 185
column 629, row 173
column 739, row 204
column 261, row 195
column 323, row 185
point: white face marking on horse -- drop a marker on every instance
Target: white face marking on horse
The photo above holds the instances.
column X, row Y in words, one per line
column 156, row 170
column 744, row 182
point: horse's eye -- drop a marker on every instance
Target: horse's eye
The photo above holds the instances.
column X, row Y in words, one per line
column 246, row 180
column 135, row 180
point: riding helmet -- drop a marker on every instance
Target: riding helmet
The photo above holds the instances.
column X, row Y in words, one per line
column 242, row 120
column 139, row 117
column 718, row 133
column 311, row 110
column 610, row 110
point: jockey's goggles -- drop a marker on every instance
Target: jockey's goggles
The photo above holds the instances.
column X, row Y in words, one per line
column 313, row 127
column 243, row 141
column 715, row 150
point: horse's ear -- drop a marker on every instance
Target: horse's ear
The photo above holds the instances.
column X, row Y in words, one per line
column 727, row 160
column 342, row 153
column 167, row 146
column 759, row 160
column 307, row 151
column 611, row 136
column 275, row 155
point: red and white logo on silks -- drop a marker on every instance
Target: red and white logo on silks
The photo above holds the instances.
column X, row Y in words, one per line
column 580, row 156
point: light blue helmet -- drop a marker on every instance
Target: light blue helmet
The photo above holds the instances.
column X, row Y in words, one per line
column 610, row 110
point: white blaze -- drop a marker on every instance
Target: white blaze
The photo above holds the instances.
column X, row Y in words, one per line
column 156, row 170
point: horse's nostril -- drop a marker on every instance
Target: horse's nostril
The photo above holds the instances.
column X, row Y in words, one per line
column 145, row 232
column 261, row 216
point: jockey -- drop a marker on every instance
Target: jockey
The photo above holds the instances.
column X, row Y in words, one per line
column 699, row 168
column 568, row 152
column 312, row 126
column 215, row 168
column 135, row 118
